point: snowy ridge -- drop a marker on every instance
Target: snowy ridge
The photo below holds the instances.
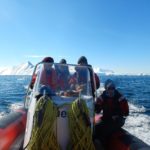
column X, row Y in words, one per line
column 22, row 69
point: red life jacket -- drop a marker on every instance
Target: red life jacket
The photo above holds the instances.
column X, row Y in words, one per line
column 49, row 78
column 112, row 106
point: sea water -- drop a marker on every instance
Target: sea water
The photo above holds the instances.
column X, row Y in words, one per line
column 135, row 88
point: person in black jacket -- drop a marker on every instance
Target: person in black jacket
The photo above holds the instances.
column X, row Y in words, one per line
column 95, row 84
column 115, row 108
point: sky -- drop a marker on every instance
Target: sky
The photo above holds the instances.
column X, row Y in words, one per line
column 112, row 34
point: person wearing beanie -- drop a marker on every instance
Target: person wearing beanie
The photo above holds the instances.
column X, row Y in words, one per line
column 115, row 110
column 48, row 60
column 84, row 62
column 47, row 69
column 48, row 74
column 63, row 61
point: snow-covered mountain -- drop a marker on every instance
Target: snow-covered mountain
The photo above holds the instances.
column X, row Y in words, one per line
column 22, row 69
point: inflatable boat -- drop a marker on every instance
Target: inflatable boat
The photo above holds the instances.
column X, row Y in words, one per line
column 59, row 114
column 12, row 130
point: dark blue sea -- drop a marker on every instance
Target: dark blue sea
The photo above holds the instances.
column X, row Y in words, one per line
column 135, row 88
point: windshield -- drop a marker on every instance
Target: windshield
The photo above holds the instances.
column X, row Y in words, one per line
column 63, row 80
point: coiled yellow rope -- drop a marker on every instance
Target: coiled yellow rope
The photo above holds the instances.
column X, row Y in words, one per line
column 43, row 137
column 80, row 131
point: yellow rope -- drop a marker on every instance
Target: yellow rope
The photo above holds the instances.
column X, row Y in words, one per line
column 80, row 131
column 43, row 137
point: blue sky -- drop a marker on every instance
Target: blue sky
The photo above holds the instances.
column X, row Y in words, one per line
column 112, row 34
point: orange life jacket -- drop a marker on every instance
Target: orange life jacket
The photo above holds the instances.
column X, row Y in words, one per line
column 49, row 78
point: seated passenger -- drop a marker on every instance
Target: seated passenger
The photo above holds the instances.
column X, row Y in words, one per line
column 48, row 74
column 83, row 62
column 63, row 75
column 115, row 108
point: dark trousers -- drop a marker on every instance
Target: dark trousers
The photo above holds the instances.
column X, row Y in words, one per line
column 105, row 128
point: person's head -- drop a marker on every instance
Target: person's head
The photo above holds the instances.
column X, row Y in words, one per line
column 63, row 61
column 48, row 60
column 110, row 87
column 82, row 61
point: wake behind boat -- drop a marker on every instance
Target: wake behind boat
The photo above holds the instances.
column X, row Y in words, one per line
column 60, row 113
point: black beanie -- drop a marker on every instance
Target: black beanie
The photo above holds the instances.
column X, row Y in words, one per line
column 48, row 59
column 82, row 59
column 63, row 61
